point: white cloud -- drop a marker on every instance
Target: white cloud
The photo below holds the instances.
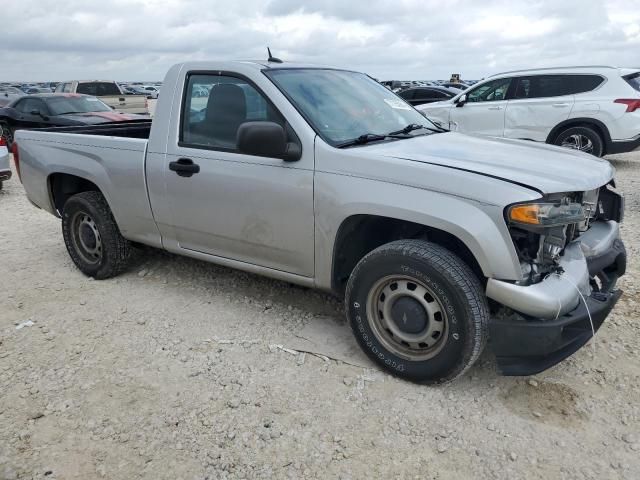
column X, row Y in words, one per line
column 419, row 39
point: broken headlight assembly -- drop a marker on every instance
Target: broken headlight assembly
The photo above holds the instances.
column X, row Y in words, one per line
column 541, row 230
column 546, row 214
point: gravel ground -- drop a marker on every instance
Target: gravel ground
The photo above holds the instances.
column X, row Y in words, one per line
column 183, row 370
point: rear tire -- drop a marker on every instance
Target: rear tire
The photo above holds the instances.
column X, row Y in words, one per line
column 584, row 139
column 92, row 237
column 418, row 311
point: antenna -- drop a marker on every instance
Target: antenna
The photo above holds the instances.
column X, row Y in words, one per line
column 272, row 58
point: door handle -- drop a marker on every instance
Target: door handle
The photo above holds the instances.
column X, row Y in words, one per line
column 495, row 108
column 184, row 167
column 559, row 105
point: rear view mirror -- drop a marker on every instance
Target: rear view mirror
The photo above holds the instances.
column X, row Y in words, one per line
column 461, row 100
column 266, row 139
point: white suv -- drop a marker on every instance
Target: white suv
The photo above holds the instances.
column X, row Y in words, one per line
column 593, row 109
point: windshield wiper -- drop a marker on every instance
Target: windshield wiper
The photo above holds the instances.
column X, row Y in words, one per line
column 369, row 137
column 409, row 128
column 414, row 126
column 399, row 134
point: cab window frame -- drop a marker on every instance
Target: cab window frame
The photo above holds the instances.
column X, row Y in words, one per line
column 185, row 100
column 23, row 101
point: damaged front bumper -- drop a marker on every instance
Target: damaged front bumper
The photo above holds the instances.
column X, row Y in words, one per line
column 552, row 316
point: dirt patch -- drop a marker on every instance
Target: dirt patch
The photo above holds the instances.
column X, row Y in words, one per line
column 546, row 402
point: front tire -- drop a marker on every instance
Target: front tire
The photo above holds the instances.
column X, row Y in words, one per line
column 92, row 237
column 418, row 311
column 584, row 139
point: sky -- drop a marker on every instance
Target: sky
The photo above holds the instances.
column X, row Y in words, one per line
column 52, row 40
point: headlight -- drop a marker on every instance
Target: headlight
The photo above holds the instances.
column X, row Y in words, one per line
column 546, row 214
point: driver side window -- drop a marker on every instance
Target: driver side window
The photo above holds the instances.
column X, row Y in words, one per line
column 493, row 91
column 215, row 107
column 28, row 105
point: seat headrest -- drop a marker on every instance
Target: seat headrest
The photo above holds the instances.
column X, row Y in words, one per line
column 226, row 101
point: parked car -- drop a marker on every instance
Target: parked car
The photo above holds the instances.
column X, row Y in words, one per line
column 592, row 109
column 422, row 95
column 324, row 178
column 5, row 168
column 107, row 91
column 132, row 91
column 147, row 90
column 35, row 90
column 151, row 91
column 54, row 109
column 7, row 94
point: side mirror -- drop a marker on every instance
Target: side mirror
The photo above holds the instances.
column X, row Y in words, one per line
column 266, row 139
column 461, row 100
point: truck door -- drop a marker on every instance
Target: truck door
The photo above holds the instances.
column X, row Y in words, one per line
column 256, row 210
column 483, row 112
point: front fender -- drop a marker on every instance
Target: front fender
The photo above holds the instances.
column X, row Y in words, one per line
column 480, row 226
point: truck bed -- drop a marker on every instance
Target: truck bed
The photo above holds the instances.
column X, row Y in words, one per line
column 109, row 155
column 133, row 129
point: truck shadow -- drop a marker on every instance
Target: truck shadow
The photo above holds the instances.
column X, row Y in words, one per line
column 324, row 329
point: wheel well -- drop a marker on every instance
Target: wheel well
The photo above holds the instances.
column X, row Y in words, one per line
column 596, row 125
column 360, row 234
column 62, row 186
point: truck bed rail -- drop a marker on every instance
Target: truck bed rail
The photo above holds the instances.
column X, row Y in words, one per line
column 131, row 129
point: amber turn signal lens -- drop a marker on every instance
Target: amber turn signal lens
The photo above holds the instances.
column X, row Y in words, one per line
column 525, row 214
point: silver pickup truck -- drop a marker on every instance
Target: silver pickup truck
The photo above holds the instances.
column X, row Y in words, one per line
column 438, row 241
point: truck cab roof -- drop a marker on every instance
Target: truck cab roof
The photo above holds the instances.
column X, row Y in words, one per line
column 225, row 65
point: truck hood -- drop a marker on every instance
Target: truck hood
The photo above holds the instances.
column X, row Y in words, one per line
column 541, row 167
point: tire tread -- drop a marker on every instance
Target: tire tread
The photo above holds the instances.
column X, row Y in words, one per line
column 115, row 244
column 459, row 273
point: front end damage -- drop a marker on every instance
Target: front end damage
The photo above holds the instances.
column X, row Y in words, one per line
column 571, row 257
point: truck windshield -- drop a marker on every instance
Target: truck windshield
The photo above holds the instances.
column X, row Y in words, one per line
column 67, row 104
column 343, row 106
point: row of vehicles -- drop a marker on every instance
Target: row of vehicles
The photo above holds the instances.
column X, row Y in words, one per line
column 122, row 96
column 438, row 241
